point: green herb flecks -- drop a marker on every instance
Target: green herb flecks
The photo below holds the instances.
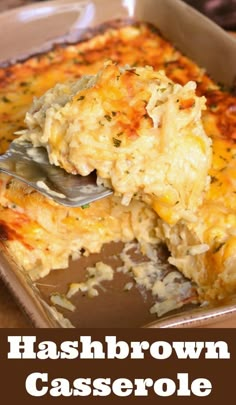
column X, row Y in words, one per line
column 85, row 206
column 218, row 247
column 6, row 99
column 116, row 142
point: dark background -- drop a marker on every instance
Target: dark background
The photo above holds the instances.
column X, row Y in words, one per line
column 223, row 12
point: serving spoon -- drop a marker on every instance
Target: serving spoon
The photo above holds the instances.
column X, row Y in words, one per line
column 31, row 165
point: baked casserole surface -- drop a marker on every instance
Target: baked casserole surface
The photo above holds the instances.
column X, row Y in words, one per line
column 42, row 235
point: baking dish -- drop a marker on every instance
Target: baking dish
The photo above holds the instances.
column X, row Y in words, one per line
column 60, row 21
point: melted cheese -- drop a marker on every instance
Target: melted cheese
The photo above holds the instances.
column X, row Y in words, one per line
column 136, row 128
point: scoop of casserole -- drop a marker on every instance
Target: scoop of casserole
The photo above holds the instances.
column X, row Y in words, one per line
column 140, row 131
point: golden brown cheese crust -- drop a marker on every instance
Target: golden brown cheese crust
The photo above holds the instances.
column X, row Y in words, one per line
column 141, row 45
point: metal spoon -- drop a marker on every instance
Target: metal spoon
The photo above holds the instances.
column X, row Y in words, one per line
column 31, row 165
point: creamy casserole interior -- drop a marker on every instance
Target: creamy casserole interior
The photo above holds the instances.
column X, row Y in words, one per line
column 136, row 128
column 42, row 235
